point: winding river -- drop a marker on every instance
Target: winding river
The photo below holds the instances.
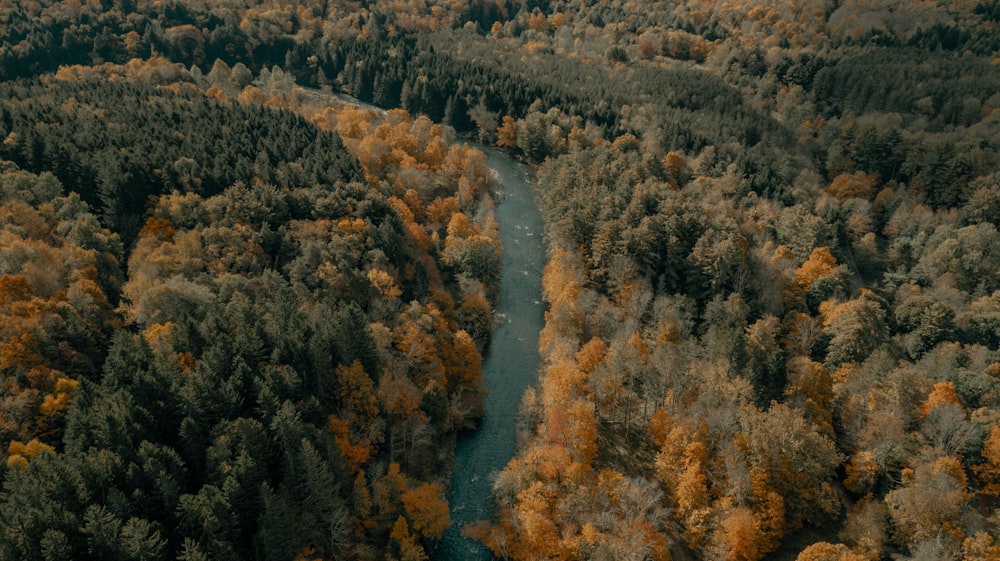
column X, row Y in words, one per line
column 510, row 364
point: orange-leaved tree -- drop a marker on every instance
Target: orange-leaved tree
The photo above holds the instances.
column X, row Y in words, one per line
column 989, row 470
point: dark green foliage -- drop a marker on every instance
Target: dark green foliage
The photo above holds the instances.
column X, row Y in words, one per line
column 206, row 436
column 607, row 202
column 765, row 361
column 32, row 515
column 178, row 458
column 118, row 145
column 942, row 86
column 430, row 73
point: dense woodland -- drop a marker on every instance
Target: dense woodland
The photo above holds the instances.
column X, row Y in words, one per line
column 273, row 365
column 239, row 322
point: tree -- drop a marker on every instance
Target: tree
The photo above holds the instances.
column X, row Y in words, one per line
column 856, row 328
column 427, row 510
column 221, row 75
column 984, row 202
column 356, row 394
column 989, row 470
column 581, row 432
column 465, row 379
column 740, row 536
column 928, row 322
column 823, row 551
column 942, row 394
column 591, row 355
column 405, row 545
column 980, row 547
column 930, row 501
column 321, row 511
column 206, row 517
column 507, row 133
column 821, row 263
column 948, row 430
column 19, row 453
column 794, row 459
column 356, row 454
column 693, row 495
column 861, row 472
column 676, row 168
column 474, row 317
column 562, row 383
column 866, row 527
column 400, row 399
column 725, row 336
column 810, row 389
column 485, row 120
column 721, row 257
column 134, row 540
column 476, row 256
column 857, row 185
column 765, row 365
column 537, row 523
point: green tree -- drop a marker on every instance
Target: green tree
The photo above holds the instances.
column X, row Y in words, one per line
column 856, row 328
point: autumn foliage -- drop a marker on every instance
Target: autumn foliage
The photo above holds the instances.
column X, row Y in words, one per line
column 55, row 310
column 772, row 293
column 324, row 323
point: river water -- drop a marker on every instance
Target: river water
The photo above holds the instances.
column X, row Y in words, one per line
column 510, row 364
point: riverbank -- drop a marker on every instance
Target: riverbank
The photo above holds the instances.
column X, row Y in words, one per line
column 510, row 364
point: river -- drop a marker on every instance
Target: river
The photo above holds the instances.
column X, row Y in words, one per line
column 510, row 364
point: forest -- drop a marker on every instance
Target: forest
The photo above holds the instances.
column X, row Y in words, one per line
column 269, row 365
column 241, row 320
